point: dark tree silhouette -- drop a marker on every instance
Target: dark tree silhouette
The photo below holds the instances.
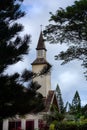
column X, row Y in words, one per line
column 14, row 97
column 70, row 27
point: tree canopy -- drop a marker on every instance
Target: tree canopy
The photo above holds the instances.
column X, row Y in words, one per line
column 75, row 107
column 59, row 99
column 14, row 97
column 69, row 26
column 76, row 102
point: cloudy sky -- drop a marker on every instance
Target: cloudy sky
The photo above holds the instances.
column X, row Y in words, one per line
column 70, row 76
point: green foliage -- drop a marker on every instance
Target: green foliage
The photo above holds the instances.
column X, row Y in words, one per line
column 52, row 127
column 72, row 126
column 59, row 99
column 70, row 27
column 54, row 116
column 74, row 119
column 84, row 111
column 76, row 102
column 14, row 97
column 75, row 107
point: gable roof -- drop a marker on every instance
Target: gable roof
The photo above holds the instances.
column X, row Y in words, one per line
column 41, row 44
column 50, row 100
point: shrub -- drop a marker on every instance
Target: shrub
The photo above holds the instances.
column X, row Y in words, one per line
column 52, row 127
column 71, row 126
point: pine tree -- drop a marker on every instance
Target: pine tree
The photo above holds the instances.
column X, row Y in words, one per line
column 76, row 102
column 59, row 99
column 14, row 97
column 75, row 107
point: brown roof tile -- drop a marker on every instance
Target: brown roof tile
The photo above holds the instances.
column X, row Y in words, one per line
column 40, row 61
column 48, row 100
column 41, row 44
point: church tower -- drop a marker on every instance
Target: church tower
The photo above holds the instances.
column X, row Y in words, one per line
column 37, row 66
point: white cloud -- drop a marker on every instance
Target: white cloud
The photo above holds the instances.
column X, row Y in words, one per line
column 68, row 77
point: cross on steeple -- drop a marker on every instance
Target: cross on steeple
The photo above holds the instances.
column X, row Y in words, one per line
column 41, row 27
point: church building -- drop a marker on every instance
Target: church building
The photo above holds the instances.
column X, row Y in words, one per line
column 34, row 121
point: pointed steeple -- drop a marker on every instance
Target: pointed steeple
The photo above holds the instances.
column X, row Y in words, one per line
column 38, row 64
column 41, row 45
column 41, row 52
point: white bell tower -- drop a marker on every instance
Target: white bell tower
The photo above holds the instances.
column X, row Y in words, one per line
column 37, row 66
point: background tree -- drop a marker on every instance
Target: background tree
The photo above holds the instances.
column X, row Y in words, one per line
column 59, row 99
column 14, row 97
column 70, row 27
column 84, row 111
column 75, row 107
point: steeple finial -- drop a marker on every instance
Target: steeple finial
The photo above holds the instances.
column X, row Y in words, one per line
column 41, row 27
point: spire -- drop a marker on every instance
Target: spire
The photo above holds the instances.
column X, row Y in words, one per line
column 41, row 44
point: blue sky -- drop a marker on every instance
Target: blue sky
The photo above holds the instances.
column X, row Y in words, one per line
column 70, row 76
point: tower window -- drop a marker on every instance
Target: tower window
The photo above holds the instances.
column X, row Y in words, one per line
column 41, row 53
